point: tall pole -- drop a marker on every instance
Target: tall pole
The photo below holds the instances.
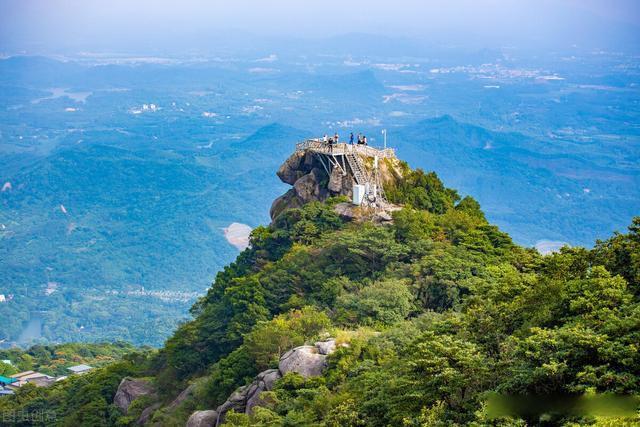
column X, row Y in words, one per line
column 384, row 132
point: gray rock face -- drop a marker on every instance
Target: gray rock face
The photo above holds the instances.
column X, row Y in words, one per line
column 129, row 390
column 293, row 168
column 335, row 181
column 308, row 187
column 206, row 418
column 305, row 360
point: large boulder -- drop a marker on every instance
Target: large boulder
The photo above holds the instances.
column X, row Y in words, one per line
column 306, row 360
column 129, row 390
column 208, row 418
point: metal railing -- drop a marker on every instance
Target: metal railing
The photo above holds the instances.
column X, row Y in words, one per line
column 317, row 145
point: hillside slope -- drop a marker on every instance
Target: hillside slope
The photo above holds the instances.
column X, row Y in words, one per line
column 429, row 313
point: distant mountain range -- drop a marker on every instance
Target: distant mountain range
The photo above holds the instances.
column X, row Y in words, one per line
column 108, row 207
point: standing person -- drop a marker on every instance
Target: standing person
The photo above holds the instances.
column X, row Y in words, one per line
column 336, row 138
column 359, row 139
column 325, row 138
column 351, row 138
column 364, row 140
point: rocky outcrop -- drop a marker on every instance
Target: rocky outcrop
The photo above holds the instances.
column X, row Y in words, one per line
column 207, row 418
column 293, row 168
column 306, row 360
column 129, row 390
column 311, row 182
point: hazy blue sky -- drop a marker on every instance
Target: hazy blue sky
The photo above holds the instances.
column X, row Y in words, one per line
column 116, row 24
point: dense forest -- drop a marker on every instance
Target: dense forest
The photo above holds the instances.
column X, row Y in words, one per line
column 434, row 313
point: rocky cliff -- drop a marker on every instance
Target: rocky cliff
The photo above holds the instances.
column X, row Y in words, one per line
column 311, row 182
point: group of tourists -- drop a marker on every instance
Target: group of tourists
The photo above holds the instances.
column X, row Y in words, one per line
column 335, row 139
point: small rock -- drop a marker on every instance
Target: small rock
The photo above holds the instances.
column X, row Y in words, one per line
column 305, row 360
column 206, row 418
column 326, row 347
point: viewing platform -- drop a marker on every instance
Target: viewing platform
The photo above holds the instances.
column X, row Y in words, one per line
column 317, row 145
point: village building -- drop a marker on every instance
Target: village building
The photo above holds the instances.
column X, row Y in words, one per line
column 37, row 378
column 80, row 369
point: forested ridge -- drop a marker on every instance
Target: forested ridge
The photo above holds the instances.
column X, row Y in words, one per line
column 433, row 314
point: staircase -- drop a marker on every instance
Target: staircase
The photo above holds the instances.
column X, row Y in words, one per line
column 357, row 168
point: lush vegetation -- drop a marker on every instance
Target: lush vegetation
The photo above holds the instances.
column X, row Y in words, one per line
column 436, row 312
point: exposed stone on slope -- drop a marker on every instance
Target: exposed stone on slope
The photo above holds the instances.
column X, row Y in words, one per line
column 305, row 360
column 206, row 418
column 129, row 390
column 263, row 382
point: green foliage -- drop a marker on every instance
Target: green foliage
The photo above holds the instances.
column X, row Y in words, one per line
column 381, row 303
column 436, row 310
column 422, row 191
column 621, row 255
